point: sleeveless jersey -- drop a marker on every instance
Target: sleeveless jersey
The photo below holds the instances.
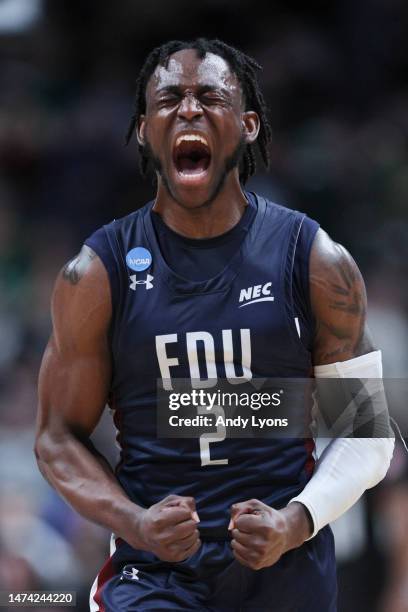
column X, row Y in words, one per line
column 166, row 326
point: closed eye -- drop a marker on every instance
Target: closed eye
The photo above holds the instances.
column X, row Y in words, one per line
column 169, row 100
column 207, row 96
column 211, row 98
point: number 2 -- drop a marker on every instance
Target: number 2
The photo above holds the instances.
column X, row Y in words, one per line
column 208, row 438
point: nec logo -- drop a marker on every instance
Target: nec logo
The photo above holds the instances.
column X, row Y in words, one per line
column 257, row 293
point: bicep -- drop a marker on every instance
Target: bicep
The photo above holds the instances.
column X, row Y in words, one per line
column 75, row 373
column 73, row 389
column 339, row 303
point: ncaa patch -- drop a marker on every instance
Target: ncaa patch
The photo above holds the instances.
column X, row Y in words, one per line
column 138, row 259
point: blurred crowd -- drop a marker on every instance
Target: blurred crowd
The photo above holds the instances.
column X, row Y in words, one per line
column 335, row 79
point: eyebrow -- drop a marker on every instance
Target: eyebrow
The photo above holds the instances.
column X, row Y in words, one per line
column 178, row 90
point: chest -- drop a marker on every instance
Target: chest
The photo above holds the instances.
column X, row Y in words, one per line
column 237, row 332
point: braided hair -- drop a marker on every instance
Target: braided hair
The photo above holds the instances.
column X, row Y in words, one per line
column 244, row 67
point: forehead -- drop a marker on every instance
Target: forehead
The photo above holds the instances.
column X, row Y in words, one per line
column 186, row 69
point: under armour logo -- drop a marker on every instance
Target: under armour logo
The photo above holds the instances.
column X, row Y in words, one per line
column 133, row 575
column 147, row 282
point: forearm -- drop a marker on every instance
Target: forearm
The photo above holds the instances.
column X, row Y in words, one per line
column 85, row 481
column 347, row 467
column 300, row 524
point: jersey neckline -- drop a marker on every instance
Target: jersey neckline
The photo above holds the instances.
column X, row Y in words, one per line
column 242, row 226
column 222, row 281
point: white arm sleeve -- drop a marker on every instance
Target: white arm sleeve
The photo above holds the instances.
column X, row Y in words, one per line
column 348, row 466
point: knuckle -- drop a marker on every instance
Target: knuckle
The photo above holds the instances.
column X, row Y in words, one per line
column 187, row 532
column 241, row 522
column 191, row 526
column 193, row 549
column 261, row 545
column 197, row 546
column 164, row 539
column 171, row 497
column 157, row 521
column 193, row 542
column 163, row 553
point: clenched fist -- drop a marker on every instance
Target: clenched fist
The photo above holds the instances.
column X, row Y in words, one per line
column 261, row 534
column 169, row 528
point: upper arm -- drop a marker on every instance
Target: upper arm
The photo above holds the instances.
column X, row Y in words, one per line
column 75, row 372
column 339, row 303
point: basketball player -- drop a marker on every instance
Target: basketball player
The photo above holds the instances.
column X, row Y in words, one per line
column 234, row 524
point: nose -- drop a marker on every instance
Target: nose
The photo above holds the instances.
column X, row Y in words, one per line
column 190, row 108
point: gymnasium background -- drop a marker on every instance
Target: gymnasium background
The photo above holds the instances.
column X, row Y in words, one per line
column 335, row 78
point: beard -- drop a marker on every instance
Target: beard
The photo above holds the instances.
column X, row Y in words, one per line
column 230, row 163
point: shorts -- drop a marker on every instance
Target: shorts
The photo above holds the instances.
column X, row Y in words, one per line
column 303, row 580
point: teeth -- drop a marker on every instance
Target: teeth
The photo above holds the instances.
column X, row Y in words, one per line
column 190, row 138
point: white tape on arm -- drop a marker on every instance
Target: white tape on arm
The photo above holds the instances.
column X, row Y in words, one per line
column 348, row 466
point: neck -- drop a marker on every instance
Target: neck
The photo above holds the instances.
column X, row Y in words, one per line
column 203, row 221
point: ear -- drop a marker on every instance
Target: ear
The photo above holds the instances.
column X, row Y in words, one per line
column 141, row 130
column 251, row 125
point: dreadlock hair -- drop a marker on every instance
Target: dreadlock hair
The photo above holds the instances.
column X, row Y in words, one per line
column 244, row 67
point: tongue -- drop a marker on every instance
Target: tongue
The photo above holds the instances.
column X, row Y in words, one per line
column 192, row 166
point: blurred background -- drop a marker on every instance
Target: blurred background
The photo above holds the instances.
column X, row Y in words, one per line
column 335, row 79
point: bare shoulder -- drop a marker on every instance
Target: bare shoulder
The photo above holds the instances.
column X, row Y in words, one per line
column 81, row 301
column 76, row 368
column 79, row 265
column 339, row 302
column 334, row 273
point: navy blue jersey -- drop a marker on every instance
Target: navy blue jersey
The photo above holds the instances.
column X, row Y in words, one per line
column 199, row 259
column 242, row 323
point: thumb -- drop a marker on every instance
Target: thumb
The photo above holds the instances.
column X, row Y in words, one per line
column 189, row 502
column 250, row 506
column 185, row 502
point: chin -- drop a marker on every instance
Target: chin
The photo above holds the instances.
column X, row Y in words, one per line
column 192, row 199
column 193, row 191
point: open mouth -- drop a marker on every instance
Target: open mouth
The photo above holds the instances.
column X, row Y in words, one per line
column 191, row 155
